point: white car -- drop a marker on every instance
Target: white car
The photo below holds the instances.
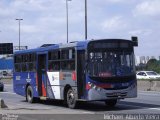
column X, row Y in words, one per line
column 147, row 75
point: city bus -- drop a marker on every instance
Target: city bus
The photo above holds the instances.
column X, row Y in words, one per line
column 90, row 70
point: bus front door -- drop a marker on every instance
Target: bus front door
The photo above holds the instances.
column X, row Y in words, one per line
column 41, row 70
column 81, row 74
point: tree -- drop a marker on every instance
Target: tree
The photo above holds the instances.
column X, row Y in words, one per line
column 153, row 65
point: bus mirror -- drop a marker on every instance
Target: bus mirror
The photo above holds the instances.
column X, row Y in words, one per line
column 135, row 41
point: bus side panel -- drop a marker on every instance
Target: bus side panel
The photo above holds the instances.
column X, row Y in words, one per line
column 68, row 78
column 53, row 85
column 21, row 80
column 56, row 83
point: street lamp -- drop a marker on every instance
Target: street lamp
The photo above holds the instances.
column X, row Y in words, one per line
column 86, row 19
column 67, row 16
column 19, row 21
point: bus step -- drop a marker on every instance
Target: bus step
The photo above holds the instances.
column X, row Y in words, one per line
column 43, row 98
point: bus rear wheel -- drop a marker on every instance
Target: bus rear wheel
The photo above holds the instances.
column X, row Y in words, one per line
column 111, row 103
column 29, row 94
column 71, row 99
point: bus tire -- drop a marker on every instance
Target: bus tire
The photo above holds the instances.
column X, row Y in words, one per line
column 111, row 103
column 71, row 99
column 29, row 95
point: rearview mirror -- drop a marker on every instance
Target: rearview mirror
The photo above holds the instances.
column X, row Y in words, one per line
column 135, row 41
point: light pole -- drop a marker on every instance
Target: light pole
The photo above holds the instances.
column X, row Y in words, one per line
column 67, row 16
column 86, row 19
column 19, row 21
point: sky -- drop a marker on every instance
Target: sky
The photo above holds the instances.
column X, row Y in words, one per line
column 44, row 22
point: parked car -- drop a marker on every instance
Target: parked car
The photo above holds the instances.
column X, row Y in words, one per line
column 4, row 73
column 147, row 75
column 1, row 86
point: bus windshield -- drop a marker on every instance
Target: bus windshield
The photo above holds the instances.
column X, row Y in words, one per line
column 110, row 63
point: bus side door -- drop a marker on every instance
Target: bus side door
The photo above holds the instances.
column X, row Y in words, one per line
column 81, row 73
column 42, row 78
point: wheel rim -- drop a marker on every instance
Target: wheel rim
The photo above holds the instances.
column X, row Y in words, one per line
column 70, row 97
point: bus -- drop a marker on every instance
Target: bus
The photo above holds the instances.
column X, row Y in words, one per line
column 90, row 70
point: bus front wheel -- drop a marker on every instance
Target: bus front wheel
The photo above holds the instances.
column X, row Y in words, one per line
column 111, row 103
column 71, row 99
column 29, row 94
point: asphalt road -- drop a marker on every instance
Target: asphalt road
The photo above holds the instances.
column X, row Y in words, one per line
column 147, row 103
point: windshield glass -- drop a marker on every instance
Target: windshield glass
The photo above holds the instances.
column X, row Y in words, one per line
column 151, row 73
column 110, row 63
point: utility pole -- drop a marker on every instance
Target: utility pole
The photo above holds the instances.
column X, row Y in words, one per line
column 67, row 17
column 86, row 19
column 19, row 21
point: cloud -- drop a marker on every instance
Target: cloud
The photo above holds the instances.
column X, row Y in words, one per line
column 116, row 23
column 148, row 8
column 141, row 32
column 115, row 1
column 44, row 21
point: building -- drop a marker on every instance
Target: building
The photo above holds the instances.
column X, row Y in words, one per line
column 137, row 60
column 144, row 59
column 6, row 64
column 147, row 59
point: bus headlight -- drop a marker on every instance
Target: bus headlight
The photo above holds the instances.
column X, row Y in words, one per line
column 93, row 86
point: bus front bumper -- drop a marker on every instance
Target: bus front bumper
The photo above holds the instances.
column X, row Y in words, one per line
column 102, row 94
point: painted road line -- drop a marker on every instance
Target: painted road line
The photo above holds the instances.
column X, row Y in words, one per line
column 141, row 107
column 136, row 106
column 88, row 112
column 7, row 93
column 154, row 109
column 149, row 92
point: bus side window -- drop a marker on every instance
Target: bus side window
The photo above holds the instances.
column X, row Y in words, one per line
column 17, row 67
column 24, row 67
column 31, row 66
column 54, row 65
column 68, row 57
column 17, row 63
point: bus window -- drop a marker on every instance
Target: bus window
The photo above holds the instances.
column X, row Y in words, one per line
column 68, row 54
column 68, row 65
column 53, row 55
column 31, row 66
column 68, row 59
column 17, row 59
column 24, row 67
column 54, row 60
column 54, row 65
column 31, row 62
column 17, row 67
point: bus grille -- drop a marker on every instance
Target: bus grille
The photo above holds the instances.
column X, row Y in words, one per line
column 117, row 79
column 116, row 88
column 116, row 94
